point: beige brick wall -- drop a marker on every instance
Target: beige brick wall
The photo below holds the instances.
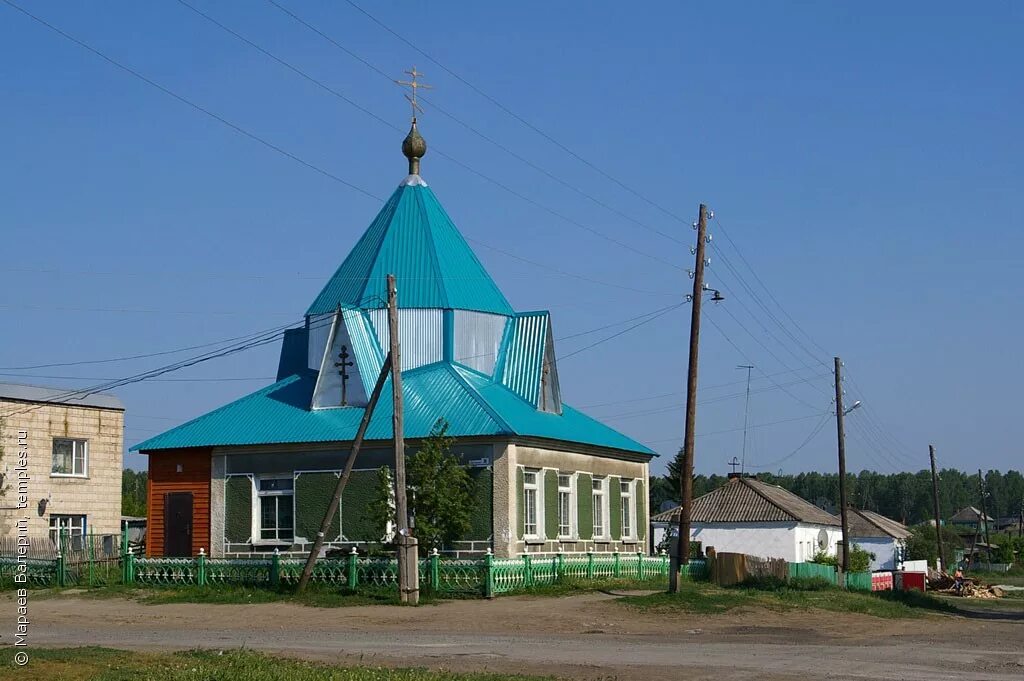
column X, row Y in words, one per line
column 507, row 458
column 97, row 496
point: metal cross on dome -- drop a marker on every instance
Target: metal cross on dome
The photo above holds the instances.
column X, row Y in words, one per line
column 344, row 364
column 414, row 85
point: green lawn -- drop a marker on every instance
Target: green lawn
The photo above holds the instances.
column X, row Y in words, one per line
column 1015, row 576
column 104, row 664
column 327, row 596
column 704, row 598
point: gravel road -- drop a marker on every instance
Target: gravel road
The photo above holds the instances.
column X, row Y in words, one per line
column 585, row 637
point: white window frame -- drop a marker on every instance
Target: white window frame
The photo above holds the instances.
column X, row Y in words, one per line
column 67, row 521
column 568, row 490
column 258, row 511
column 76, row 444
column 601, row 490
column 538, row 503
column 627, row 509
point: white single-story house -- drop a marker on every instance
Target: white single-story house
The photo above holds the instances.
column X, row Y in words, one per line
column 749, row 516
column 881, row 536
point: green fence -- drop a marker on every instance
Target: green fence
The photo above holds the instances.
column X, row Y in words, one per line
column 812, row 571
column 73, row 559
column 485, row 576
column 857, row 581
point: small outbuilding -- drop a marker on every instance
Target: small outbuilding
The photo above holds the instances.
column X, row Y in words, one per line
column 883, row 537
column 749, row 516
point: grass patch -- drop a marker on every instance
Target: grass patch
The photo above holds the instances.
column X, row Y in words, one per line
column 104, row 664
column 569, row 587
column 1015, row 576
column 705, row 598
column 315, row 595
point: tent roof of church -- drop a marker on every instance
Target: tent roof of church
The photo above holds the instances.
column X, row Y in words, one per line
column 473, row 405
column 413, row 238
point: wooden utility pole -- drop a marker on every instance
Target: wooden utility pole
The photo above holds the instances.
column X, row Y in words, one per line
column 935, row 501
column 339, row 488
column 841, row 435
column 686, row 483
column 408, row 573
column 1020, row 520
column 984, row 515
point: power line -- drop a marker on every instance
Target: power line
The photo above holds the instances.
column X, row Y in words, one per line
column 149, row 354
column 159, row 380
column 724, row 335
column 736, row 430
column 810, row 436
column 307, row 164
column 627, row 330
column 340, row 95
column 713, row 400
column 705, row 388
column 503, row 148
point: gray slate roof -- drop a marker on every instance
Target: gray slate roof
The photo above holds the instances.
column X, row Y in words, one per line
column 968, row 515
column 750, row 500
column 870, row 524
column 36, row 393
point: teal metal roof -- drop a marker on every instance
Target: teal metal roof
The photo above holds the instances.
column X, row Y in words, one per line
column 473, row 405
column 413, row 238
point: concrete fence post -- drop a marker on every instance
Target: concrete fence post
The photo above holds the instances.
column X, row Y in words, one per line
column 590, row 563
column 201, row 567
column 435, row 570
column 616, row 569
column 353, row 569
column 275, row 569
column 489, row 574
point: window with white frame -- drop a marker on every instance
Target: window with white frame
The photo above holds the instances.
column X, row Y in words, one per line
column 627, row 509
column 276, row 496
column 531, row 497
column 70, row 457
column 564, row 505
column 67, row 525
column 599, row 507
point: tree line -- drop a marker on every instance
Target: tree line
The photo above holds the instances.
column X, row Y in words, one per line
column 906, row 497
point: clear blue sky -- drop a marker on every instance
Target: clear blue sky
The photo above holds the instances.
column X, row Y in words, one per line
column 865, row 159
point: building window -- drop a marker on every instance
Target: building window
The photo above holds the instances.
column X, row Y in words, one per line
column 565, row 505
column 67, row 525
column 598, row 495
column 276, row 496
column 625, row 492
column 70, row 457
column 531, row 492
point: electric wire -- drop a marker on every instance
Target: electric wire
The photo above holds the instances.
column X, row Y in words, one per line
column 340, row 95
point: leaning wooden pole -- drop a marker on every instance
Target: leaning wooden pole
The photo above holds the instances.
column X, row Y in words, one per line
column 332, row 508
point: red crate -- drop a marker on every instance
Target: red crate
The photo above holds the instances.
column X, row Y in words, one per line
column 914, row 581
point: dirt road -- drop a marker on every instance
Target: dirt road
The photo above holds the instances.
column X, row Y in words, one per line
column 586, row 637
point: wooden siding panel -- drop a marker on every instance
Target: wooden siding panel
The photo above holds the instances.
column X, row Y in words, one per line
column 165, row 477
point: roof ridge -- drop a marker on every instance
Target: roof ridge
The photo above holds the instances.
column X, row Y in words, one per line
column 765, row 496
column 478, row 398
column 439, row 281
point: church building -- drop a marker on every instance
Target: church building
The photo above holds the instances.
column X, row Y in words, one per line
column 257, row 474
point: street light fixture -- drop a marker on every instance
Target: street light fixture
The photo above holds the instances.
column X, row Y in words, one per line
column 853, row 406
